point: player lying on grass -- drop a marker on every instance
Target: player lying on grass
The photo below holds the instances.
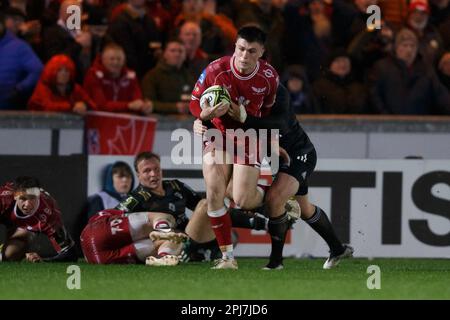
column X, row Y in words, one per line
column 121, row 235
column 155, row 194
column 298, row 162
column 26, row 210
column 114, row 236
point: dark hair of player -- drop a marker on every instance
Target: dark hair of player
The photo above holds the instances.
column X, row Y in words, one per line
column 146, row 155
column 25, row 182
column 252, row 33
column 122, row 169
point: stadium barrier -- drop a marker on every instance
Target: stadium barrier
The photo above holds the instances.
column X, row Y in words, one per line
column 385, row 208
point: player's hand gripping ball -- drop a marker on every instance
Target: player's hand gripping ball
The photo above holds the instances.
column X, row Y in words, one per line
column 214, row 95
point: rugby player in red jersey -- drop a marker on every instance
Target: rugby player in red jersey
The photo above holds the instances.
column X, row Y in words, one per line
column 25, row 210
column 252, row 84
column 114, row 236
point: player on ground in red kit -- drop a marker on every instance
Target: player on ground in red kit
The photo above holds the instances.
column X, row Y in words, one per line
column 25, row 210
column 114, row 236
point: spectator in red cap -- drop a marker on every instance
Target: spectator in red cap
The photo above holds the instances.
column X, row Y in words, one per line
column 420, row 5
column 430, row 42
column 57, row 90
column 418, row 15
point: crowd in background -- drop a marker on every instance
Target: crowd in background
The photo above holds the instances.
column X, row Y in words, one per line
column 144, row 56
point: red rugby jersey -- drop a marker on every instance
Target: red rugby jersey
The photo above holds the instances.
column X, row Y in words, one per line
column 256, row 91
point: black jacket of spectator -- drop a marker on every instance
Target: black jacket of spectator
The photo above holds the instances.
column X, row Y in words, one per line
column 445, row 34
column 430, row 44
column 272, row 23
column 398, row 89
column 366, row 49
column 340, row 95
column 57, row 40
column 439, row 16
column 136, row 34
column 445, row 79
column 302, row 46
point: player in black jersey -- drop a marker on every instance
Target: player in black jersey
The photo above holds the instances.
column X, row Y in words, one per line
column 173, row 197
column 157, row 195
column 292, row 180
column 298, row 160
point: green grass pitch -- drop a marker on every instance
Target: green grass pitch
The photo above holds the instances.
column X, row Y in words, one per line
column 301, row 279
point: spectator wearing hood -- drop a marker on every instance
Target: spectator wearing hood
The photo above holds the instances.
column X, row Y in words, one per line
column 57, row 90
column 336, row 91
column 300, row 91
column 118, row 181
column 112, row 86
column 405, row 84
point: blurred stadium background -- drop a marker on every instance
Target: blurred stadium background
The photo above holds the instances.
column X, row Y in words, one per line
column 383, row 179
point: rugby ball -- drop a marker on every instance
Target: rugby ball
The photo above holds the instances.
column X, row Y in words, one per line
column 213, row 95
